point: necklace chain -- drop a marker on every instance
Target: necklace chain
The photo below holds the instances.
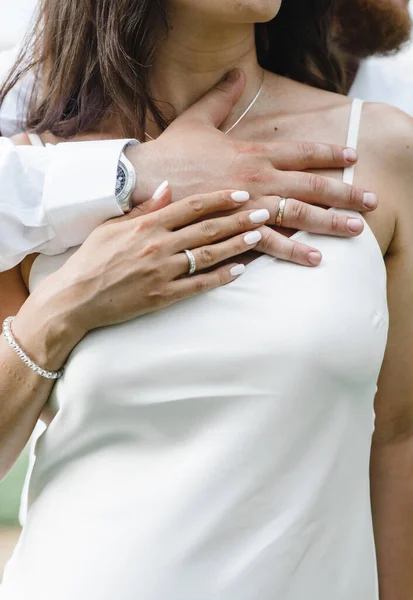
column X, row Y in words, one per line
column 244, row 114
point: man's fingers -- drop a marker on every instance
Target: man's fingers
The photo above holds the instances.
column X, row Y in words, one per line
column 313, row 219
column 325, row 191
column 298, row 156
column 216, row 105
column 277, row 245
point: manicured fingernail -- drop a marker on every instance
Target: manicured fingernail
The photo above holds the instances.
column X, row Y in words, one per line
column 354, row 225
column 240, row 196
column 253, row 237
column 314, row 258
column 350, row 155
column 260, row 216
column 370, row 200
column 237, row 270
column 160, row 190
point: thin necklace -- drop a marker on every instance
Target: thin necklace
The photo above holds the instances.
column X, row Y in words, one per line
column 244, row 114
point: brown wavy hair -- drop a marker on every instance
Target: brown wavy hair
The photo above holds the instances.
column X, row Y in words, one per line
column 91, row 59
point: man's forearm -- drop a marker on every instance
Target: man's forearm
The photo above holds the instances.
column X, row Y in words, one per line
column 52, row 198
column 392, row 505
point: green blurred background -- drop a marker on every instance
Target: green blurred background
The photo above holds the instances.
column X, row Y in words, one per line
column 10, row 491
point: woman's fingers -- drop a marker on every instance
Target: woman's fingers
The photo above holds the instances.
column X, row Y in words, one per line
column 298, row 156
column 195, row 207
column 313, row 219
column 209, row 256
column 213, row 230
column 199, row 284
column 326, row 191
column 289, row 249
column 161, row 198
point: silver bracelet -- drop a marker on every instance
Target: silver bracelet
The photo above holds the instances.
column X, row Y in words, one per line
column 8, row 336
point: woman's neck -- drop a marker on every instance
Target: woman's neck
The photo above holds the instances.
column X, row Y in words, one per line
column 196, row 56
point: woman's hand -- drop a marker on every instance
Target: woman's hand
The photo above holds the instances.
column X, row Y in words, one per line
column 135, row 264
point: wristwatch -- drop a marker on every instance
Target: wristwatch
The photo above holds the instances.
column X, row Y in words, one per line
column 125, row 183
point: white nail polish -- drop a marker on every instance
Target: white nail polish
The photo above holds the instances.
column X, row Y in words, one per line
column 237, row 270
column 240, row 196
column 253, row 237
column 160, row 190
column 260, row 216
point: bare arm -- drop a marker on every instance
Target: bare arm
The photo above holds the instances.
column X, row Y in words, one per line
column 23, row 393
column 392, row 449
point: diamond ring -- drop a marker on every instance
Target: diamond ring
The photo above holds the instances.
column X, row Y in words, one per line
column 192, row 262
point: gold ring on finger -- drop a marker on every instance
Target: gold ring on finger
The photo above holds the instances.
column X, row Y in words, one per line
column 280, row 213
column 191, row 261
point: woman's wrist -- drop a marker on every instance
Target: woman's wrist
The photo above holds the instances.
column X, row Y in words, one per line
column 46, row 327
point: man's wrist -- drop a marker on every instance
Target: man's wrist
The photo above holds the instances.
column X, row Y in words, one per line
column 142, row 158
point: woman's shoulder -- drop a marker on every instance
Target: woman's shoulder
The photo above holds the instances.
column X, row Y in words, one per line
column 390, row 127
column 386, row 136
column 386, row 166
column 385, row 148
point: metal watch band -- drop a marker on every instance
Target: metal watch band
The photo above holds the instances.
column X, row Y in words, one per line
column 125, row 183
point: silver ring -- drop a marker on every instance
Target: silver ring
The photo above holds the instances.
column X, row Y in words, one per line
column 280, row 214
column 192, row 262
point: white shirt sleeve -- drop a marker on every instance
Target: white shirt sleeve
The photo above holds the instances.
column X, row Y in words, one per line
column 52, row 198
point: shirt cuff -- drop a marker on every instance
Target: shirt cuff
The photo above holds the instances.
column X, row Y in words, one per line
column 79, row 189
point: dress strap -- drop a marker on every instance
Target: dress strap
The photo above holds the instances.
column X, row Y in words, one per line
column 35, row 139
column 353, row 135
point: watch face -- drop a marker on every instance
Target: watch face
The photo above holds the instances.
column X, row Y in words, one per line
column 120, row 179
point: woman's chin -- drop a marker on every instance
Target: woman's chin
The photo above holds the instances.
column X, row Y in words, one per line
column 256, row 11
column 233, row 11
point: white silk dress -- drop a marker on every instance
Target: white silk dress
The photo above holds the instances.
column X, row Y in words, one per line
column 217, row 449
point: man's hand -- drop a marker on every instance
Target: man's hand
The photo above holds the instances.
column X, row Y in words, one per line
column 195, row 156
